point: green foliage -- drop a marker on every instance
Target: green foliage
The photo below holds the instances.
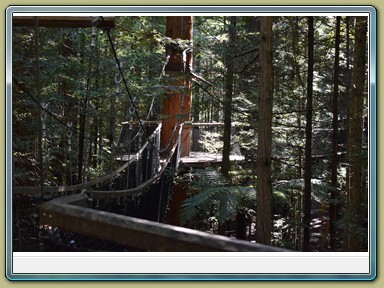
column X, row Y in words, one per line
column 211, row 192
column 65, row 59
column 210, row 141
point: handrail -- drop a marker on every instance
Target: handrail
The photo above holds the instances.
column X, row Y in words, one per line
column 102, row 194
column 77, row 187
column 139, row 233
column 72, row 213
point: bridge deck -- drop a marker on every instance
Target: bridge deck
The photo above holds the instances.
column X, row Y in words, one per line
column 205, row 158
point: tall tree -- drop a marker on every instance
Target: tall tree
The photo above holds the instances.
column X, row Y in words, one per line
column 180, row 95
column 39, row 110
column 299, row 201
column 264, row 182
column 346, row 234
column 335, row 139
column 83, row 137
column 230, row 65
column 308, row 141
column 355, row 131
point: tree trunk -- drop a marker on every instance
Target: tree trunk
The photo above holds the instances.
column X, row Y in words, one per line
column 355, row 131
column 225, row 167
column 346, row 233
column 39, row 110
column 82, row 123
column 308, row 142
column 299, row 199
column 264, row 182
column 178, row 197
column 178, row 100
column 335, row 160
column 241, row 225
column 81, row 147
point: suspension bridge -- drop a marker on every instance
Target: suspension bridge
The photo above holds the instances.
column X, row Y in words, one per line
column 125, row 209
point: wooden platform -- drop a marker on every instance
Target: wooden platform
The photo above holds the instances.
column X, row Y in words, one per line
column 205, row 158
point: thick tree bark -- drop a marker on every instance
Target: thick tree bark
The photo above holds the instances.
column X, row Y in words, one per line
column 225, row 167
column 355, row 131
column 264, row 182
column 308, row 141
column 335, row 159
column 179, row 65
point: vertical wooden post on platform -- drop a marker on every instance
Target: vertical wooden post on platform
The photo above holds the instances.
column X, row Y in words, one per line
column 178, row 99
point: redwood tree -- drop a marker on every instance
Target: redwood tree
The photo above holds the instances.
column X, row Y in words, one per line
column 264, row 182
column 335, row 127
column 229, row 61
column 355, row 133
column 179, row 92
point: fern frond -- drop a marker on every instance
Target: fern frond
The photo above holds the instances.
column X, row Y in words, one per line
column 195, row 201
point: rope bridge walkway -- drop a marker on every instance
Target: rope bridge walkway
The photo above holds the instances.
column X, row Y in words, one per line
column 123, row 210
column 125, row 214
column 140, row 187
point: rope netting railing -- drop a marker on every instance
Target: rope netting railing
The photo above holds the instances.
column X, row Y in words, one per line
column 129, row 220
column 149, row 182
column 144, row 189
column 148, row 149
column 140, row 188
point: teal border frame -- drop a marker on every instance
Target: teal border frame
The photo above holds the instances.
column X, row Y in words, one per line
column 372, row 74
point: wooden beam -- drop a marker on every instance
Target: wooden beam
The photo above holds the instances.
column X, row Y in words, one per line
column 62, row 21
column 138, row 233
column 215, row 124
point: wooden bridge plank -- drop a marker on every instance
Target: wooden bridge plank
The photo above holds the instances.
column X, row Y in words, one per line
column 199, row 158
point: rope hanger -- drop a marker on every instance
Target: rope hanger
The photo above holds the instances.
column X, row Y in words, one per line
column 131, row 98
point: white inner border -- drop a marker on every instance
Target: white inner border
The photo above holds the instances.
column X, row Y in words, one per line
column 192, row 262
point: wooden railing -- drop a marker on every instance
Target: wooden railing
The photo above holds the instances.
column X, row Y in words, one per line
column 71, row 213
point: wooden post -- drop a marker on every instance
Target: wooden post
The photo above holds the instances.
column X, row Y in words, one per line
column 178, row 98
